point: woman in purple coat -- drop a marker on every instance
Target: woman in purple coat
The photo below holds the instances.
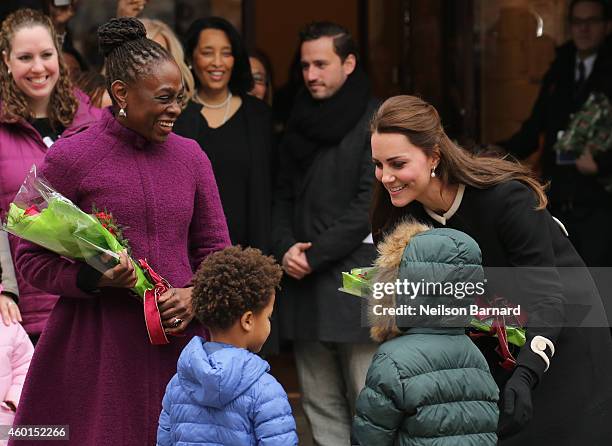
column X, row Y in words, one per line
column 38, row 106
column 94, row 368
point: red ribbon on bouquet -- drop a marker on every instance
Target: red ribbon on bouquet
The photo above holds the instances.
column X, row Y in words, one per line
column 498, row 327
column 155, row 329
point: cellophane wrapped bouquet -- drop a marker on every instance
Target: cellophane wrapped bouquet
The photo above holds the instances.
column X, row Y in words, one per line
column 358, row 282
column 45, row 217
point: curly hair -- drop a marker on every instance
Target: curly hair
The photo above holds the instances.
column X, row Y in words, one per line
column 231, row 282
column 63, row 104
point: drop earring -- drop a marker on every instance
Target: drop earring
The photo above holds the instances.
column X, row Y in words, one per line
column 122, row 113
column 433, row 172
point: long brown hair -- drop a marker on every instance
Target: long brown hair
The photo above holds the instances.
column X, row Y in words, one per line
column 420, row 123
column 62, row 104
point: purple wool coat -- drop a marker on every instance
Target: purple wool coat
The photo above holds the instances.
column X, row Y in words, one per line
column 20, row 147
column 94, row 368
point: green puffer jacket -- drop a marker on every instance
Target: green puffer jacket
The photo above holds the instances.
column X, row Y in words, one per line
column 427, row 386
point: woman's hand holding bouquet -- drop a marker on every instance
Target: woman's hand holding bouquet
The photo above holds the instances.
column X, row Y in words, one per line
column 45, row 217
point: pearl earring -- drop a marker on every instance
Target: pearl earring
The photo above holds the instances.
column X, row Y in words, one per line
column 433, row 171
column 122, row 113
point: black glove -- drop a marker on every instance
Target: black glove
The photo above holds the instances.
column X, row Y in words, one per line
column 517, row 409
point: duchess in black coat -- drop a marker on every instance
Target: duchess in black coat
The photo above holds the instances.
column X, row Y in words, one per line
column 560, row 391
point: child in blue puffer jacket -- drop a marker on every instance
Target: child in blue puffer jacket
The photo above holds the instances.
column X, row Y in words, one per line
column 222, row 393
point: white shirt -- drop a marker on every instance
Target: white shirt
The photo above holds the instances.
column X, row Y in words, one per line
column 588, row 66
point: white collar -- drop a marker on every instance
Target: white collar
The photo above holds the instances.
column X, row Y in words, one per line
column 442, row 219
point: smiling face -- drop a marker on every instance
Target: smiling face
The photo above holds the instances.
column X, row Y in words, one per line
column 34, row 65
column 403, row 168
column 153, row 103
column 213, row 60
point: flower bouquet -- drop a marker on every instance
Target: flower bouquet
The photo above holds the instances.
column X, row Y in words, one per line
column 358, row 282
column 45, row 217
column 589, row 129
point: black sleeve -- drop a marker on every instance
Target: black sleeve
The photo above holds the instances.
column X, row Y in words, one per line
column 524, row 233
column 283, row 204
column 604, row 163
column 348, row 232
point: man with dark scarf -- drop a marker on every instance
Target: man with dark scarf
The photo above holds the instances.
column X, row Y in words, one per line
column 321, row 228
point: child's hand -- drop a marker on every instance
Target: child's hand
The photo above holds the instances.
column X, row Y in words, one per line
column 9, row 311
column 176, row 309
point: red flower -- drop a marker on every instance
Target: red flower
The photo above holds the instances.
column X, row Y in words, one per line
column 32, row 210
column 103, row 216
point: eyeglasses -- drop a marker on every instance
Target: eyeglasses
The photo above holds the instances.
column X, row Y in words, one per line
column 260, row 78
column 589, row 21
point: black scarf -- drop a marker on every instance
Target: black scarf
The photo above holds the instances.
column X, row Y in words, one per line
column 315, row 124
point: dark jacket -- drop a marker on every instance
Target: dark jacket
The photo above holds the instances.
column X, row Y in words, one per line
column 327, row 205
column 573, row 400
column 551, row 113
column 259, row 136
column 426, row 386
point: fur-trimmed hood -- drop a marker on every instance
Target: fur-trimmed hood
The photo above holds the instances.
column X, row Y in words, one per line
column 416, row 252
column 390, row 252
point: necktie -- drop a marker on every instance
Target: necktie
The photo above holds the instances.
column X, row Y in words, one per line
column 581, row 78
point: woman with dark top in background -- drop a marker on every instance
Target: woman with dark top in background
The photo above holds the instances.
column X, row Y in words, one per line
column 232, row 127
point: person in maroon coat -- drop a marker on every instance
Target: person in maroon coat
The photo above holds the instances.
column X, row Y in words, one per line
column 94, row 368
column 38, row 105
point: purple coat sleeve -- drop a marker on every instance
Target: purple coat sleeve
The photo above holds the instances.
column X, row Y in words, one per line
column 208, row 231
column 44, row 269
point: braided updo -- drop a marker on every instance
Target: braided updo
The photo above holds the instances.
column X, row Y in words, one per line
column 127, row 52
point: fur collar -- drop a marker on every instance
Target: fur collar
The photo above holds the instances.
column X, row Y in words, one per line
column 390, row 251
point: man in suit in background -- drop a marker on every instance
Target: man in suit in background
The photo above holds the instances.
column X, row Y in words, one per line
column 582, row 66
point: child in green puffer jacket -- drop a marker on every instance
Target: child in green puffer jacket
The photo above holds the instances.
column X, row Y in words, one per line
column 427, row 384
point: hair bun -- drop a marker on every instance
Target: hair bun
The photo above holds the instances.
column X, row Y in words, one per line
column 116, row 32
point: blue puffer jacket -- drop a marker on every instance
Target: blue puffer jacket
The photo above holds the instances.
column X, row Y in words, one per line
column 223, row 395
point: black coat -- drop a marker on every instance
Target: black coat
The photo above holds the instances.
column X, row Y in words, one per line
column 259, row 136
column 573, row 401
column 327, row 205
column 551, row 112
